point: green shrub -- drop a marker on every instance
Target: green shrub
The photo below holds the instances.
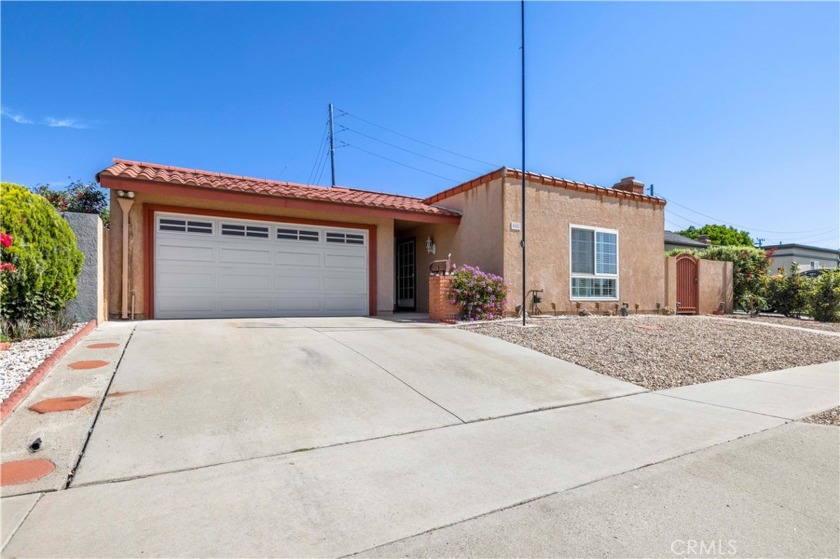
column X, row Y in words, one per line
column 80, row 197
column 825, row 297
column 41, row 261
column 482, row 295
column 789, row 293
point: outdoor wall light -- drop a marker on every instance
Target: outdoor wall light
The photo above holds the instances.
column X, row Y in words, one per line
column 430, row 245
column 125, row 194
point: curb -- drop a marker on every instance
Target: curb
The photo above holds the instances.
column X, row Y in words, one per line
column 22, row 391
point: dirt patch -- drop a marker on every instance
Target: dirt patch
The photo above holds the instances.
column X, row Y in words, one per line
column 681, row 351
column 103, row 345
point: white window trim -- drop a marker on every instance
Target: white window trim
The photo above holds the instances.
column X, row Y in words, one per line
column 596, row 275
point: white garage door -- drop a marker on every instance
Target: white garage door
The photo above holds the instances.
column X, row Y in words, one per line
column 208, row 267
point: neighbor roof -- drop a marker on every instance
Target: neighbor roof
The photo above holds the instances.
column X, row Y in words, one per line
column 152, row 172
column 672, row 238
column 542, row 179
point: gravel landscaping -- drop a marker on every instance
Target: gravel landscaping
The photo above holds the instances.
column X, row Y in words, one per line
column 800, row 322
column 659, row 352
column 828, row 417
column 18, row 362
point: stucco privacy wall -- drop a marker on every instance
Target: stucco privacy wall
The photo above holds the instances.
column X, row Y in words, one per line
column 89, row 303
column 476, row 241
column 384, row 243
column 550, row 212
column 715, row 284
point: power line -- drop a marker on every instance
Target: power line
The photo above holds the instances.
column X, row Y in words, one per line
column 343, row 113
column 670, row 201
column 348, row 129
column 321, row 144
column 345, row 144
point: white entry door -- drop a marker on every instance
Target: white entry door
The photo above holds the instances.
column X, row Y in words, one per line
column 212, row 267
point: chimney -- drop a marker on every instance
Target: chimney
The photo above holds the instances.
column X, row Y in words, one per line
column 704, row 239
column 630, row 184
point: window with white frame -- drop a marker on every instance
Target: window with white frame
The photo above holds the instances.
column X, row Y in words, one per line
column 594, row 255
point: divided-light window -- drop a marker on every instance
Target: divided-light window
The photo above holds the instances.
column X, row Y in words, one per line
column 594, row 256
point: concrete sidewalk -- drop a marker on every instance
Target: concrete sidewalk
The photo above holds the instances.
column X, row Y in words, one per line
column 773, row 494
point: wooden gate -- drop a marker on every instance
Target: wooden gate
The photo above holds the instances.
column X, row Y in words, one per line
column 686, row 284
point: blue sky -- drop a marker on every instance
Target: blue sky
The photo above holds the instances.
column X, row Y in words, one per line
column 732, row 110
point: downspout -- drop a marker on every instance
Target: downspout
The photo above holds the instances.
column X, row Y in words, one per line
column 125, row 206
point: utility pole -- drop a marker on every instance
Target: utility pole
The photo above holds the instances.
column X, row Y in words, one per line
column 332, row 144
column 524, row 287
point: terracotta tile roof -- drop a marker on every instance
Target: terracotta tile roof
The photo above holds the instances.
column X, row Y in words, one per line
column 542, row 179
column 152, row 172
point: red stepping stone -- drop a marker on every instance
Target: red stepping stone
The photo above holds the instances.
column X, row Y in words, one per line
column 104, row 345
column 88, row 364
column 24, row 471
column 66, row 403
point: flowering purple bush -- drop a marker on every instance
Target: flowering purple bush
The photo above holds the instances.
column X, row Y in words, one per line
column 482, row 296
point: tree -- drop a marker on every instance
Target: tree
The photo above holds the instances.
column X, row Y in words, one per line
column 719, row 235
column 86, row 198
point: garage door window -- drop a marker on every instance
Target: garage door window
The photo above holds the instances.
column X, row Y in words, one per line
column 297, row 235
column 185, row 226
column 346, row 238
column 234, row 230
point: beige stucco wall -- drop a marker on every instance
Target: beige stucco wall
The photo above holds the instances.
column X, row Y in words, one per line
column 714, row 285
column 384, row 244
column 550, row 212
column 476, row 241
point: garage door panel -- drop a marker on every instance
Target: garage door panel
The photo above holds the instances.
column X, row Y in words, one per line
column 187, row 280
column 244, row 256
column 238, row 280
column 299, row 283
column 311, row 304
column 345, row 304
column 247, row 305
column 347, row 261
column 185, row 304
column 295, row 259
column 345, row 284
column 185, row 253
column 212, row 275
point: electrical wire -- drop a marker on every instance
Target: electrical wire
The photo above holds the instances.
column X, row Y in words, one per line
column 345, row 113
column 345, row 144
column 751, row 229
column 321, row 144
column 348, row 129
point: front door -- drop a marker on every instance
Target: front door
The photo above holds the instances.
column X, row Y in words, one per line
column 406, row 276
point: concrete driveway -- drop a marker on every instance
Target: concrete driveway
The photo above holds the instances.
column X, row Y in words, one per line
column 195, row 393
column 330, row 437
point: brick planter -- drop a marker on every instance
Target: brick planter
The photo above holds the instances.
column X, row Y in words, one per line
column 439, row 306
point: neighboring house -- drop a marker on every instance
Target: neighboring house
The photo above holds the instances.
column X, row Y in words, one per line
column 806, row 257
column 677, row 241
column 202, row 244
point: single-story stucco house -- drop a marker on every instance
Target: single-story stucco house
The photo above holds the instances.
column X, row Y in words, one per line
column 677, row 241
column 201, row 244
column 806, row 257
